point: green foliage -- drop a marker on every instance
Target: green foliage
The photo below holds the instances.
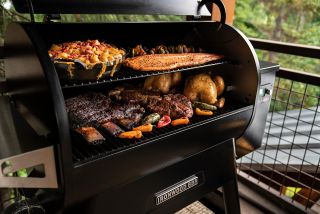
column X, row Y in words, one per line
column 119, row 18
column 287, row 21
column 282, row 20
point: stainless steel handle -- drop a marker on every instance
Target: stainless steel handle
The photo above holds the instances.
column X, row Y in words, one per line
column 44, row 156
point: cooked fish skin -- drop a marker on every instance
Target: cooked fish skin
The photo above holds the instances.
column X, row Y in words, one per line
column 163, row 62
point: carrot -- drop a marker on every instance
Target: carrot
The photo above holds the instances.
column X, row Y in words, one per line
column 131, row 135
column 180, row 121
column 144, row 128
column 203, row 112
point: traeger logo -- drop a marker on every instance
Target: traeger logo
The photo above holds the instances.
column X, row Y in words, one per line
column 176, row 189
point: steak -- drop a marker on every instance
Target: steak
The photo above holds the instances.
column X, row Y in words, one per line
column 174, row 105
column 96, row 108
column 135, row 96
column 163, row 62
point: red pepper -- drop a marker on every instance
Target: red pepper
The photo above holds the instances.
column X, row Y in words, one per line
column 164, row 121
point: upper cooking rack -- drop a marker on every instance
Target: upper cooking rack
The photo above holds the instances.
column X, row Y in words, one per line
column 128, row 74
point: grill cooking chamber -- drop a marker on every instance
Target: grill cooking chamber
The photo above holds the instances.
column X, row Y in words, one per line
column 85, row 171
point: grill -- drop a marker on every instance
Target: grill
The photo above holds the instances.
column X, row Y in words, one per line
column 165, row 169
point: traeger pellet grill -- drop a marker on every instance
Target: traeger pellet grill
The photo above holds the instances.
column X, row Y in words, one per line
column 161, row 172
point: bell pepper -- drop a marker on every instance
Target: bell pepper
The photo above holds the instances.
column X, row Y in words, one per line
column 203, row 112
column 131, row 135
column 164, row 121
column 180, row 121
column 144, row 128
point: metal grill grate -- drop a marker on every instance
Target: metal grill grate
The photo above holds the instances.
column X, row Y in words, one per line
column 82, row 152
column 289, row 158
column 126, row 74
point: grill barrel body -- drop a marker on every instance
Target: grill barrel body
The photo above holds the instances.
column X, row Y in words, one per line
column 38, row 98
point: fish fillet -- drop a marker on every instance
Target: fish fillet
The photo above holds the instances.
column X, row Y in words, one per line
column 163, row 62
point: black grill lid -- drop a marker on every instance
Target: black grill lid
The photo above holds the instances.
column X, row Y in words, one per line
column 168, row 7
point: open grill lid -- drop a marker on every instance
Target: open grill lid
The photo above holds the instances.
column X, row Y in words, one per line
column 168, row 7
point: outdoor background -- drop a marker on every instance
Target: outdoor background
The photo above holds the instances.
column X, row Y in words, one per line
column 295, row 21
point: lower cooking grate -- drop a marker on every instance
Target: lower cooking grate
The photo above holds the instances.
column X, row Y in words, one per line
column 83, row 152
column 126, row 74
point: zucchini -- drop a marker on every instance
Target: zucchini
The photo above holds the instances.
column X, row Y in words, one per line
column 204, row 106
column 151, row 118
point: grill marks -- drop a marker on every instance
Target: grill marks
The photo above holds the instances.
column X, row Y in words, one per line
column 95, row 108
column 174, row 105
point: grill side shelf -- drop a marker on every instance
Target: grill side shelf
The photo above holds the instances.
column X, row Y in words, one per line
column 128, row 74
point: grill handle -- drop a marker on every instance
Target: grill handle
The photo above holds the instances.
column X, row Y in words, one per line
column 220, row 5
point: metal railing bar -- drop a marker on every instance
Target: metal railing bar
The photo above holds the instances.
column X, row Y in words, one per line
column 299, row 76
column 286, row 48
column 307, row 168
column 281, row 174
column 291, row 167
column 288, row 177
column 295, row 146
column 260, row 174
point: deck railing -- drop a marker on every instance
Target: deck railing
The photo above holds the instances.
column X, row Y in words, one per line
column 287, row 164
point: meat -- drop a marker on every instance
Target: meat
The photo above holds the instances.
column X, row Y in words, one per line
column 201, row 87
column 88, row 109
column 162, row 83
column 91, row 135
column 174, row 105
column 134, row 96
column 162, row 62
column 96, row 108
column 112, row 128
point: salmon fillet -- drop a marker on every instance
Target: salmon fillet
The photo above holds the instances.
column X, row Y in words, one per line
column 162, row 62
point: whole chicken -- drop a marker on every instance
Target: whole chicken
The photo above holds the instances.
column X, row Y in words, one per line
column 162, row 83
column 201, row 87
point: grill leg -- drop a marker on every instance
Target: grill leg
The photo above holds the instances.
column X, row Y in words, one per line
column 231, row 195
